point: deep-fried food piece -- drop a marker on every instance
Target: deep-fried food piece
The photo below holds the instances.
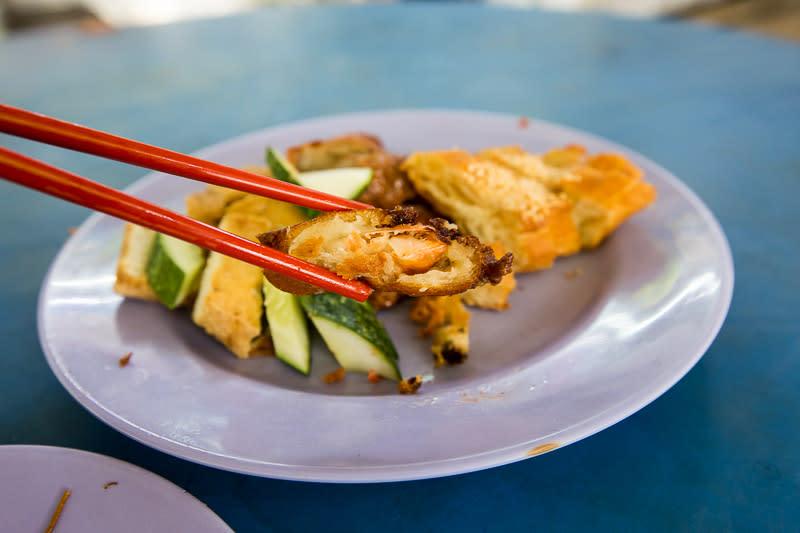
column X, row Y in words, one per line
column 424, row 210
column 207, row 205
column 410, row 385
column 384, row 299
column 389, row 186
column 489, row 201
column 334, row 377
column 390, row 251
column 132, row 263
column 447, row 320
column 605, row 189
column 229, row 303
column 322, row 154
column 492, row 296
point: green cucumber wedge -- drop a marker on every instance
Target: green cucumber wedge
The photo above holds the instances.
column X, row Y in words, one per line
column 342, row 182
column 287, row 325
column 280, row 167
column 283, row 170
column 347, row 182
column 353, row 333
column 173, row 269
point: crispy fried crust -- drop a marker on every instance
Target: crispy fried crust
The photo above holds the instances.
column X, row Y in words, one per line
column 131, row 278
column 389, row 186
column 410, row 385
column 605, row 189
column 358, row 245
column 321, row 154
column 446, row 320
column 493, row 296
column 229, row 304
column 208, row 205
column 384, row 299
column 489, row 201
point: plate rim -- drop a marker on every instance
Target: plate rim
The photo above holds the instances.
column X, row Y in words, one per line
column 423, row 469
column 121, row 465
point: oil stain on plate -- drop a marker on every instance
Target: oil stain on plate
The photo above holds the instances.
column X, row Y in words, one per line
column 544, row 448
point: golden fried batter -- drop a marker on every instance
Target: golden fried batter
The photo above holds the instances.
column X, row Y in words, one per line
column 229, row 303
column 447, row 320
column 489, row 201
column 605, row 189
column 492, row 296
column 389, row 250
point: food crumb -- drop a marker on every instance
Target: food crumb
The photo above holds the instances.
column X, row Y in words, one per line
column 574, row 273
column 410, row 385
column 481, row 396
column 125, row 359
column 524, row 122
column 497, row 396
column 110, row 484
column 57, row 513
column 373, row 376
column 71, row 230
column 334, row 377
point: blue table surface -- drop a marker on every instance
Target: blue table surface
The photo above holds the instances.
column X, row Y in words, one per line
column 720, row 451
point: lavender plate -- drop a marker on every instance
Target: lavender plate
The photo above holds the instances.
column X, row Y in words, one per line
column 571, row 357
column 106, row 494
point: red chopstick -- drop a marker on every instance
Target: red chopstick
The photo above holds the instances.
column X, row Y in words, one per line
column 34, row 126
column 73, row 188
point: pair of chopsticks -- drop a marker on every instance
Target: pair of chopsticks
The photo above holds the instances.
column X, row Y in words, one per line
column 50, row 180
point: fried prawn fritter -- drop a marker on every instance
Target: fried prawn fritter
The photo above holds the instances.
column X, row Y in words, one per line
column 390, row 251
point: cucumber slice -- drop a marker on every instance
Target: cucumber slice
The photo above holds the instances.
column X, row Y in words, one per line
column 287, row 325
column 342, row 182
column 280, row 167
column 283, row 170
column 353, row 333
column 173, row 269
